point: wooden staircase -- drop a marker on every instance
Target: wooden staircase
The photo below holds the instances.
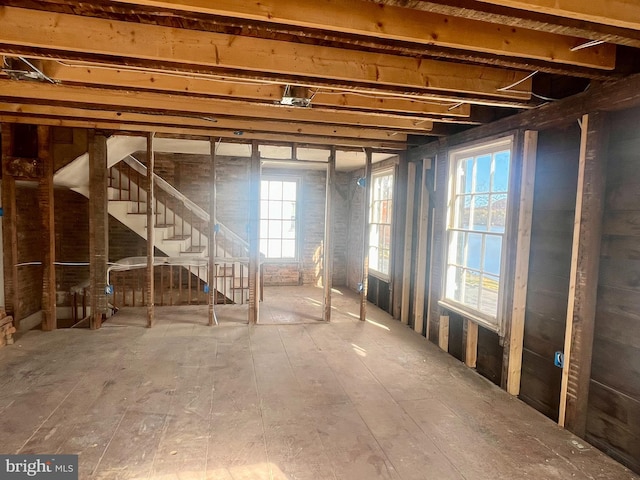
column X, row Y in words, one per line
column 181, row 231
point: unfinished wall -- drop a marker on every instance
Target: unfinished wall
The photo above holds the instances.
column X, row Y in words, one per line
column 356, row 226
column 549, row 267
column 29, row 285
column 613, row 422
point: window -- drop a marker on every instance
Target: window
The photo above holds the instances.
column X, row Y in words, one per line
column 278, row 224
column 380, row 223
column 478, row 192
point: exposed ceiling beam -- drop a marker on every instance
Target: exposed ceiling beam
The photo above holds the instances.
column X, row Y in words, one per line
column 244, row 126
column 269, row 59
column 396, row 23
column 619, row 13
column 491, row 12
column 271, row 93
column 197, row 131
column 22, row 91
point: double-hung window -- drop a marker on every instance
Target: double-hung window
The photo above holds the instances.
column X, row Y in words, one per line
column 380, row 223
column 278, row 221
column 478, row 194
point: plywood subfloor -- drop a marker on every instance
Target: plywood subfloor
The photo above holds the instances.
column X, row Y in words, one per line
column 348, row 400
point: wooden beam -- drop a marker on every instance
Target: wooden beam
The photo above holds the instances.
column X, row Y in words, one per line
column 9, row 229
column 402, row 24
column 47, row 229
column 58, row 33
column 585, row 264
column 408, row 243
column 193, row 131
column 365, row 234
column 254, row 235
column 189, row 83
column 398, row 217
column 623, row 94
column 619, row 13
column 98, row 227
column 523, row 243
column 443, row 333
column 151, row 227
column 327, row 257
column 471, row 344
column 212, row 246
column 221, row 123
column 422, row 258
column 527, row 19
column 199, row 107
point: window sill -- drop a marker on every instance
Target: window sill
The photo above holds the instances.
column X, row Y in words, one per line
column 494, row 327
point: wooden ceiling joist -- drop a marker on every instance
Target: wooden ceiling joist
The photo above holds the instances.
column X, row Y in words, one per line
column 396, row 23
column 238, row 125
column 21, row 91
column 200, row 132
column 271, row 93
column 57, row 34
column 619, row 13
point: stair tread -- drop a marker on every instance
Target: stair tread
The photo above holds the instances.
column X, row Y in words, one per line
column 178, row 238
column 165, row 225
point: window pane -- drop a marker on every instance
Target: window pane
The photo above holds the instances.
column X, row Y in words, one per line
column 288, row 229
column 467, row 175
column 498, row 212
column 275, row 190
column 492, row 254
column 501, row 173
column 263, row 246
column 384, row 261
column 373, row 258
column 483, row 174
column 464, row 212
column 474, row 251
column 275, row 210
column 471, row 286
column 489, row 299
column 288, row 210
column 385, row 211
column 375, row 212
column 264, row 208
column 289, row 191
column 264, row 189
column 456, row 248
column 274, row 248
column 264, row 229
column 385, row 241
column 480, row 212
column 288, row 249
column 275, row 229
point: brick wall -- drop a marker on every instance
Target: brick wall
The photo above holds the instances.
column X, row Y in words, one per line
column 354, row 235
column 72, row 241
column 29, row 286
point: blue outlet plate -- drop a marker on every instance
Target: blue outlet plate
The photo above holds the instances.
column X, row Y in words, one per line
column 558, row 359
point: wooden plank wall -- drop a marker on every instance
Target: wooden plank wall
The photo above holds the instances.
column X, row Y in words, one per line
column 549, row 266
column 613, row 418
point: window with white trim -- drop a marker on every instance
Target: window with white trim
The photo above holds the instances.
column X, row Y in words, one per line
column 478, row 194
column 278, row 221
column 380, row 223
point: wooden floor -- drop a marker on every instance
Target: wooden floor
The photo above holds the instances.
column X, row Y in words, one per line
column 347, row 400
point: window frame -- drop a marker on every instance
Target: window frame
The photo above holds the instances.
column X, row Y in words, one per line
column 281, row 178
column 383, row 172
column 475, row 150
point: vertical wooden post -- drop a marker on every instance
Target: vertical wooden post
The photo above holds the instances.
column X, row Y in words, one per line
column 327, row 259
column 523, row 243
column 423, row 243
column 9, row 229
column 151, row 226
column 399, row 206
column 212, row 234
column 408, row 243
column 254, row 235
column 583, row 284
column 98, row 226
column 443, row 333
column 471, row 344
column 47, row 230
column 365, row 236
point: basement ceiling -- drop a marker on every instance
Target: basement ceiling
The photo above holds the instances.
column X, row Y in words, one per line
column 355, row 74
